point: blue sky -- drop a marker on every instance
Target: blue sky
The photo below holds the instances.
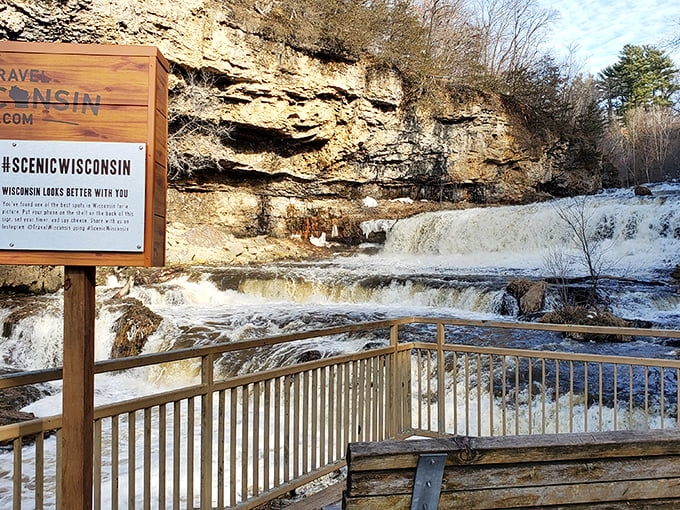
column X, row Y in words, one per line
column 599, row 29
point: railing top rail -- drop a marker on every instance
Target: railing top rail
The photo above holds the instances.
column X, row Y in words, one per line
column 41, row 376
column 560, row 328
column 143, row 360
column 549, row 355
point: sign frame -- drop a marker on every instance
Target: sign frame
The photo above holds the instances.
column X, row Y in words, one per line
column 121, row 93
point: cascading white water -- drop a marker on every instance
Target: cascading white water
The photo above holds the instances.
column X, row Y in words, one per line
column 452, row 262
column 639, row 233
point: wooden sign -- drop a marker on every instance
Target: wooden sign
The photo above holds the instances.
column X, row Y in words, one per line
column 83, row 154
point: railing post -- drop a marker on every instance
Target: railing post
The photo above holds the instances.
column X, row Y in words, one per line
column 207, row 364
column 441, row 390
column 78, row 389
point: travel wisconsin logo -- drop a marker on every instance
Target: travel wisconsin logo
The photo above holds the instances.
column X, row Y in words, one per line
column 23, row 91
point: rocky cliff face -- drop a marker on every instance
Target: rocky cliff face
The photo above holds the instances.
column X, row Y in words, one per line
column 273, row 140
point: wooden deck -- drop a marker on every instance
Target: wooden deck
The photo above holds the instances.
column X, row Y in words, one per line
column 329, row 498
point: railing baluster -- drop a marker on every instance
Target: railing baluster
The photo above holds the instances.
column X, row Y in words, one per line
column 600, row 402
column 557, row 397
column 355, row 415
column 305, row 443
column 287, row 387
column 96, row 475
column 361, row 393
column 314, row 397
column 132, row 461
column 646, row 398
column 40, row 467
column 428, row 398
column 339, row 407
column 147, row 459
column 17, row 475
column 491, row 395
column 266, row 434
column 662, row 396
column 616, row 399
column 630, row 397
column 256, row 439
column 571, row 396
column 516, row 395
column 467, row 394
column 233, row 423
column 221, row 446
column 191, row 445
column 585, row 397
column 479, row 394
column 531, row 396
column 455, row 393
column 176, row 454
column 420, row 387
column 296, row 425
column 323, row 412
column 349, row 384
column 543, row 396
column 59, row 468
column 503, row 393
column 162, row 451
column 115, row 483
column 245, row 440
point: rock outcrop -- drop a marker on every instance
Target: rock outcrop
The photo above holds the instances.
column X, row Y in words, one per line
column 269, row 139
column 133, row 328
column 530, row 295
column 34, row 279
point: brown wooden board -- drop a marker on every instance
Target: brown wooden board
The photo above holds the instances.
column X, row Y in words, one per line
column 88, row 93
column 632, row 469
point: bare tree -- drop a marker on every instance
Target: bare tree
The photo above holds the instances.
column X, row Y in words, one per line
column 592, row 247
column 652, row 133
column 452, row 39
column 559, row 267
column 511, row 32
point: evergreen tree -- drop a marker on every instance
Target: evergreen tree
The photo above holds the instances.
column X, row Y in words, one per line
column 642, row 77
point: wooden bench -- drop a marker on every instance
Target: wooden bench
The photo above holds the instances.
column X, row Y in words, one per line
column 626, row 469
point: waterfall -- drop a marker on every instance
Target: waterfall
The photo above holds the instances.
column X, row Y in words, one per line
column 641, row 233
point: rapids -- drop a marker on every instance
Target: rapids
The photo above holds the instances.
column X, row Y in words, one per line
column 450, row 263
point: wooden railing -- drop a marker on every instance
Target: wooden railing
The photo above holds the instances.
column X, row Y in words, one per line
column 247, row 439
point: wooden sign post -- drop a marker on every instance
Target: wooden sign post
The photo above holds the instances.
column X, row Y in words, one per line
column 83, row 156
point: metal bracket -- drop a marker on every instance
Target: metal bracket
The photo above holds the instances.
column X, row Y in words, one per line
column 428, row 481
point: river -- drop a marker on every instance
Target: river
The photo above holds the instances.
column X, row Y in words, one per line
column 451, row 263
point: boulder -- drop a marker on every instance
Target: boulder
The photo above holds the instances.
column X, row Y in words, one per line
column 676, row 272
column 643, row 191
column 133, row 329
column 530, row 295
column 12, row 400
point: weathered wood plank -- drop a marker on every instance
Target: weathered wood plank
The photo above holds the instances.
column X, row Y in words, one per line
column 519, row 497
column 404, row 503
column 508, row 449
column 400, row 481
